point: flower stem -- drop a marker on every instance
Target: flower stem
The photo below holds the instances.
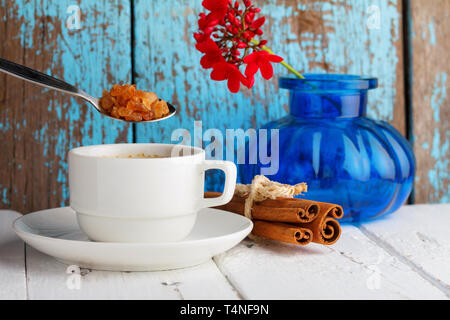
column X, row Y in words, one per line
column 286, row 65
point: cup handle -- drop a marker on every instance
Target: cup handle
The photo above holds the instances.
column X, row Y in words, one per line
column 229, row 168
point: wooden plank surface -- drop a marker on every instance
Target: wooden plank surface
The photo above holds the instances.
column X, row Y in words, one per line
column 354, row 268
column 39, row 126
column 47, row 279
column 314, row 36
column 12, row 259
column 431, row 99
column 419, row 234
column 404, row 256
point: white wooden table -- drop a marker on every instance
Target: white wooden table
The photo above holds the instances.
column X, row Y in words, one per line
column 404, row 256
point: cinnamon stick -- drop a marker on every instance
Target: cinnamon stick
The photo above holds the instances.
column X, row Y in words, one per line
column 280, row 210
column 326, row 229
column 282, row 232
column 309, row 209
column 316, row 221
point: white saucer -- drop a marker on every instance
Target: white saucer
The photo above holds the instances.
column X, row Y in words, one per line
column 56, row 233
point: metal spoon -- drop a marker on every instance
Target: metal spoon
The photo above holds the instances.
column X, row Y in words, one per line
column 44, row 80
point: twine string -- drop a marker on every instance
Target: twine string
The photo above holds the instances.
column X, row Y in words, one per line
column 262, row 189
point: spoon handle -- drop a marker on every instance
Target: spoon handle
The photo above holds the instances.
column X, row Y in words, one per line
column 37, row 77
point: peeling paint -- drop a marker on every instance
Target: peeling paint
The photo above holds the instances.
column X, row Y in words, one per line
column 439, row 175
column 431, row 101
column 4, row 195
column 432, row 33
column 439, row 94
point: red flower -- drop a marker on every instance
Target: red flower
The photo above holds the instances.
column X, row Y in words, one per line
column 261, row 60
column 226, row 39
column 218, row 8
column 227, row 71
column 212, row 53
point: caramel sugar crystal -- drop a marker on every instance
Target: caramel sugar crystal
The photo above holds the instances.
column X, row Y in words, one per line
column 126, row 102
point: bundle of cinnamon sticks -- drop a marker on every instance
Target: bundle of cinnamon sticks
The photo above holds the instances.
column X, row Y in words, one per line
column 290, row 220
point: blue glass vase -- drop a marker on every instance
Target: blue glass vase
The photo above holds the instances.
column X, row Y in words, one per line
column 327, row 141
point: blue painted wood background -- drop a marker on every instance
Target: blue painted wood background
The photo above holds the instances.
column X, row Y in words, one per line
column 406, row 50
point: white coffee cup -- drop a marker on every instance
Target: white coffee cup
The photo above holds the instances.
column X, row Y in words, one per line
column 121, row 199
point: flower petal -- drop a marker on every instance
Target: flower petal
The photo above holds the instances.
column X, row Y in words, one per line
column 251, row 69
column 218, row 8
column 274, row 58
column 207, row 46
column 258, row 23
column 218, row 75
column 251, row 57
column 266, row 69
column 220, row 71
column 249, row 81
column 204, row 62
column 234, row 84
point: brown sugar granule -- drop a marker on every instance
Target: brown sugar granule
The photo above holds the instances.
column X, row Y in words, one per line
column 126, row 102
